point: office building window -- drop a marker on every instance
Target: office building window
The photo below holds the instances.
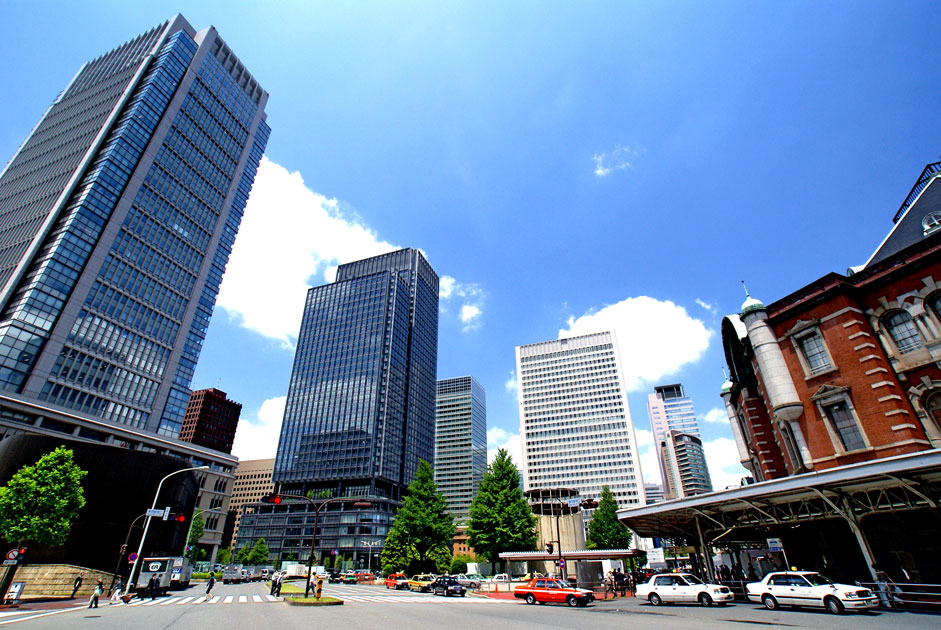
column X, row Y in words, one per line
column 903, row 331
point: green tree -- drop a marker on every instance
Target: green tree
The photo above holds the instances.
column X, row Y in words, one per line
column 397, row 553
column 605, row 531
column 197, row 528
column 243, row 554
column 41, row 501
column 224, row 556
column 423, row 523
column 459, row 564
column 289, row 557
column 500, row 517
column 259, row 554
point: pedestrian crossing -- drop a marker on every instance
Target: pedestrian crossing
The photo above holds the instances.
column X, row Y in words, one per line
column 370, row 595
column 208, row 601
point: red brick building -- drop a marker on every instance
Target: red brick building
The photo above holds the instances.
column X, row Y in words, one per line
column 211, row 419
column 845, row 369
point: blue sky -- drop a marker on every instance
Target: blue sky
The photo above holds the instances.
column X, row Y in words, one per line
column 566, row 166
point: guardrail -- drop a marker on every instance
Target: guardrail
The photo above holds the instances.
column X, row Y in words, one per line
column 899, row 594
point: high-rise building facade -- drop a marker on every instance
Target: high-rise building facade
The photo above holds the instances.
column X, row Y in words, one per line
column 252, row 482
column 117, row 216
column 460, row 442
column 211, row 420
column 679, row 446
column 360, row 410
column 575, row 424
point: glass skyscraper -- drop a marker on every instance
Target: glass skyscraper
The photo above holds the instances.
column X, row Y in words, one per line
column 360, row 410
column 117, row 216
column 679, row 446
column 460, row 442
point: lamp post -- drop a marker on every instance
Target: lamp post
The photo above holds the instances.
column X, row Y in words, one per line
column 318, row 505
column 152, row 507
column 370, row 545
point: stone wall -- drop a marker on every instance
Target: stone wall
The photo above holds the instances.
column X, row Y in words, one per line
column 55, row 580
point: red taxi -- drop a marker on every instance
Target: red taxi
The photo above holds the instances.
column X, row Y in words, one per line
column 548, row 590
column 397, row 581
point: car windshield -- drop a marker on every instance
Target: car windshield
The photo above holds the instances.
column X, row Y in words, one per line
column 562, row 584
column 692, row 579
column 817, row 579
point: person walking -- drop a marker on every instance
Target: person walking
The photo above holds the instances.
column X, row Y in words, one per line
column 77, row 584
column 153, row 585
column 116, row 593
column 99, row 589
column 210, row 584
column 280, row 578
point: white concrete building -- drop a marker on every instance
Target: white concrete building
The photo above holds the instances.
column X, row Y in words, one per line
column 575, row 424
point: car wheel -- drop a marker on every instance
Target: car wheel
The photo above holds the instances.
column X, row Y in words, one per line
column 463, row 594
column 582, row 603
column 769, row 601
column 705, row 600
column 655, row 599
column 833, row 605
column 571, row 601
column 530, row 599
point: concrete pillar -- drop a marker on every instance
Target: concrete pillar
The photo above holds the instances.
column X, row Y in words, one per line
column 779, row 387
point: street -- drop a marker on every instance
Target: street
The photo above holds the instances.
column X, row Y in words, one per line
column 246, row 606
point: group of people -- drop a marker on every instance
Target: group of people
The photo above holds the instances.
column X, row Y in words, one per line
column 277, row 579
column 616, row 582
column 725, row 573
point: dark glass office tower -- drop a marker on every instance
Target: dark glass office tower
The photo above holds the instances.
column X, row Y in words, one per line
column 460, row 442
column 360, row 409
column 117, row 217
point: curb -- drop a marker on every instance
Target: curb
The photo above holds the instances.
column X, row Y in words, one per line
column 294, row 602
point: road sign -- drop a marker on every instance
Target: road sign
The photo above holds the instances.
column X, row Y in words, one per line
column 7, row 562
column 166, row 513
column 562, row 563
column 13, row 554
column 15, row 589
column 774, row 544
column 574, row 503
column 155, row 512
column 132, row 557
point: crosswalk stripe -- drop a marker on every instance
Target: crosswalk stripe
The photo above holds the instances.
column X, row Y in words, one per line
column 243, row 599
column 185, row 600
column 170, row 601
column 200, row 600
column 271, row 598
column 137, row 603
column 228, row 599
column 256, row 599
column 215, row 599
column 153, row 602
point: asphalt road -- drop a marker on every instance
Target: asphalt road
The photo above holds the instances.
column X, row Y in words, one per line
column 245, row 606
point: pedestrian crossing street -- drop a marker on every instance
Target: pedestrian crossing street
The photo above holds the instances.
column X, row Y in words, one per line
column 202, row 599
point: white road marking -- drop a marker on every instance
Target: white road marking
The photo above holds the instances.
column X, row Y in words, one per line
column 215, row 599
column 243, row 599
column 45, row 614
column 172, row 600
column 185, row 600
column 228, row 599
column 271, row 598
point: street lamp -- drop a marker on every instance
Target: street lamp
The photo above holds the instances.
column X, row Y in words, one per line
column 149, row 517
column 371, row 545
column 277, row 498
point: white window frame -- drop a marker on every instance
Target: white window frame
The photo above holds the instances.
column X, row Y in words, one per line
column 801, row 331
column 884, row 324
column 836, row 396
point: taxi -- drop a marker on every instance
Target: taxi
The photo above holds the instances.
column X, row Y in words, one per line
column 396, row 581
column 549, row 590
column 421, row 583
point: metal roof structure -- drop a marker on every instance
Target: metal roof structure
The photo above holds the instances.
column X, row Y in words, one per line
column 903, row 482
column 580, row 554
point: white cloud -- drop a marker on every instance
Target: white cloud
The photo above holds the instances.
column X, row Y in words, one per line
column 292, row 238
column 644, row 437
column 618, row 160
column 716, row 416
column 706, row 305
column 650, row 465
column 656, row 339
column 445, row 287
column 498, row 438
column 724, row 464
column 470, row 316
column 258, row 438
column 510, row 384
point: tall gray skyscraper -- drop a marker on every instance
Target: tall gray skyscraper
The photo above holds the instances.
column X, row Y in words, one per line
column 460, row 442
column 117, row 216
column 679, row 446
column 360, row 410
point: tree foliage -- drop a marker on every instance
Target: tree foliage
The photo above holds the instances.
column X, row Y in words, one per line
column 259, row 554
column 605, row 531
column 224, row 556
column 423, row 529
column 197, row 528
column 41, row 501
column 500, row 517
column 459, row 564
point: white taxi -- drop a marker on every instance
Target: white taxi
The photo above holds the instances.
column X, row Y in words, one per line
column 683, row 587
column 808, row 588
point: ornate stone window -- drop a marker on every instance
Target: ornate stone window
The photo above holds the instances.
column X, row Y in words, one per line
column 840, row 419
column 902, row 329
column 811, row 348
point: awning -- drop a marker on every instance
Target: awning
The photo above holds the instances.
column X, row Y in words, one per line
column 895, row 483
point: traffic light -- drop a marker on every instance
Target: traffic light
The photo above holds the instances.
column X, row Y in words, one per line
column 179, row 518
column 123, row 549
column 271, row 498
column 21, row 551
column 549, row 547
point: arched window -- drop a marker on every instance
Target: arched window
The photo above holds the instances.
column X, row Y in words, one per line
column 903, row 331
column 934, row 303
column 933, row 407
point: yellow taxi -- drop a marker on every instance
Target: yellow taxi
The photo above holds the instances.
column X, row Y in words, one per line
column 421, row 583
